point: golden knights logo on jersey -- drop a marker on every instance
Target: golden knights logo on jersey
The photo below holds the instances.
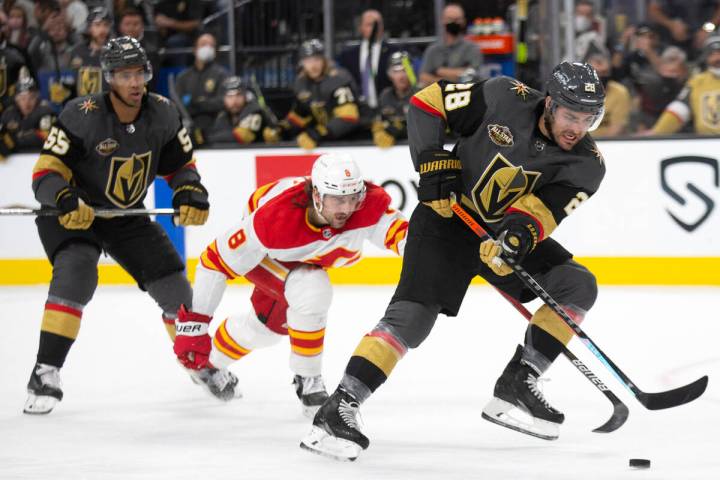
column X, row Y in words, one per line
column 127, row 180
column 89, row 81
column 710, row 104
column 500, row 185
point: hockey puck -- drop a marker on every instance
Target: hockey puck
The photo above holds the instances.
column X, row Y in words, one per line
column 639, row 463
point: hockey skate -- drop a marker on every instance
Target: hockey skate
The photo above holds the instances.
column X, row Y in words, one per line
column 520, row 405
column 219, row 382
column 311, row 392
column 335, row 432
column 43, row 389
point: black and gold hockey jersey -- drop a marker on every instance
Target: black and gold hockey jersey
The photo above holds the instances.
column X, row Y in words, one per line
column 393, row 109
column 327, row 104
column 244, row 127
column 11, row 61
column 86, row 62
column 507, row 163
column 18, row 132
column 698, row 102
column 111, row 162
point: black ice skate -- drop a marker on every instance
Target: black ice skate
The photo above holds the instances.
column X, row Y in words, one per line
column 220, row 382
column 44, row 390
column 517, row 392
column 335, row 432
column 311, row 392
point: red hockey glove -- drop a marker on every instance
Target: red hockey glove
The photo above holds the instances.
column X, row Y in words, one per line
column 192, row 342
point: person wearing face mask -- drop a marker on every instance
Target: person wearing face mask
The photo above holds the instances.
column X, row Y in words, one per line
column 618, row 100
column 451, row 57
column 199, row 86
column 589, row 37
column 695, row 102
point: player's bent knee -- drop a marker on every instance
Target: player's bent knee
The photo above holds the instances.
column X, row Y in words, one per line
column 411, row 322
column 75, row 274
column 170, row 291
column 250, row 332
column 308, row 292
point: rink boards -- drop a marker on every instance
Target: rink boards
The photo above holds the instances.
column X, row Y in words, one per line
column 654, row 220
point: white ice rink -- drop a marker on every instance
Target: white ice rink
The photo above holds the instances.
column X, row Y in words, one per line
column 130, row 412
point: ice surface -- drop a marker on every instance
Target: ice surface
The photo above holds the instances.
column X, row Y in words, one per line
column 130, row 412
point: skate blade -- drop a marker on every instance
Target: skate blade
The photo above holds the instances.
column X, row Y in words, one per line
column 498, row 412
column 39, row 404
column 222, row 395
column 320, row 442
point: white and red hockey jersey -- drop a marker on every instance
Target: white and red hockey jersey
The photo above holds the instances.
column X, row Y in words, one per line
column 276, row 229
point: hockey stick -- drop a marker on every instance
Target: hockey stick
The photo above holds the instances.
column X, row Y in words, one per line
column 620, row 410
column 187, row 120
column 255, row 87
column 651, row 401
column 100, row 212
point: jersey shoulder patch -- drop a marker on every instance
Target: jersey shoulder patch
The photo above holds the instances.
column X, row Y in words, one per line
column 81, row 114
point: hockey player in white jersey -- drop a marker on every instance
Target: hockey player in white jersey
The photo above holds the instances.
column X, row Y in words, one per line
column 294, row 230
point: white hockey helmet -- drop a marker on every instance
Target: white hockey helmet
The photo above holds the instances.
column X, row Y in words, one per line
column 337, row 174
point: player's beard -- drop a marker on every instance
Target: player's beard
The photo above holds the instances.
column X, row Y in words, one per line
column 559, row 139
column 129, row 104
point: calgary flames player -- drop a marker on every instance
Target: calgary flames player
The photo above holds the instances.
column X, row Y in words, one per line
column 294, row 230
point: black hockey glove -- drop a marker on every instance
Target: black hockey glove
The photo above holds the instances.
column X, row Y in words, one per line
column 74, row 213
column 192, row 201
column 439, row 177
column 517, row 236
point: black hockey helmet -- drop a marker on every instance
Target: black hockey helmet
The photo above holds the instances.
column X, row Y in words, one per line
column 233, row 84
column 26, row 84
column 398, row 60
column 98, row 14
column 311, row 48
column 577, row 86
column 124, row 52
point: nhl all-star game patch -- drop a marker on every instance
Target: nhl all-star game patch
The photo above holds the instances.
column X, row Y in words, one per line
column 500, row 135
column 107, row 146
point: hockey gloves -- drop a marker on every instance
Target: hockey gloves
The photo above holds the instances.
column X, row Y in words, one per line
column 75, row 214
column 310, row 138
column 517, row 237
column 192, row 342
column 381, row 137
column 439, row 177
column 192, row 201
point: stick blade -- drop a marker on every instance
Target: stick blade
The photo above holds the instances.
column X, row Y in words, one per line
column 617, row 419
column 674, row 398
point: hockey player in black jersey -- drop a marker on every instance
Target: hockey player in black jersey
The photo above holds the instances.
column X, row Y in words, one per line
column 26, row 124
column 243, row 120
column 523, row 162
column 104, row 151
column 324, row 107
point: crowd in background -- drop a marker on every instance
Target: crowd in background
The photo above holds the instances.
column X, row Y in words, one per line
column 661, row 73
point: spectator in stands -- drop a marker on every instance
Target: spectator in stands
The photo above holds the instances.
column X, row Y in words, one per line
column 243, row 120
column 16, row 27
column 589, row 31
column 368, row 62
column 390, row 126
column 618, row 101
column 26, row 124
column 178, row 22
column 130, row 22
column 86, row 55
column 77, row 14
column 198, row 87
column 681, row 21
column 697, row 103
column 453, row 57
column 325, row 106
column 28, row 7
column 43, row 9
column 656, row 91
column 50, row 50
column 13, row 60
column 637, row 53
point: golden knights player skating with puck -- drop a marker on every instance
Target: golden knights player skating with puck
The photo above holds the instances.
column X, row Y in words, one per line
column 522, row 164
column 104, row 151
